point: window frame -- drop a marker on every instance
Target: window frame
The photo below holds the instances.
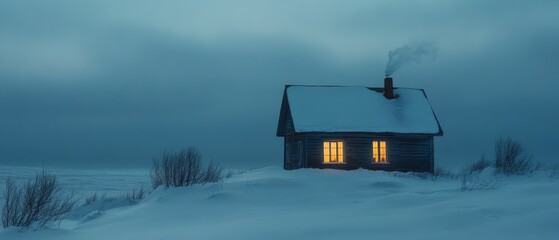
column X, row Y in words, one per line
column 379, row 151
column 343, row 151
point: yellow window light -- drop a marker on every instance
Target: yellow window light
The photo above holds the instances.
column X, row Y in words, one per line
column 333, row 152
column 383, row 151
column 326, row 152
column 379, row 152
column 375, row 151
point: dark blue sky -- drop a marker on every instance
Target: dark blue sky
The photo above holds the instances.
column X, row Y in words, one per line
column 112, row 84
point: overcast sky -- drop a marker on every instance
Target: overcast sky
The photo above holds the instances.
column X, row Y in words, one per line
column 104, row 84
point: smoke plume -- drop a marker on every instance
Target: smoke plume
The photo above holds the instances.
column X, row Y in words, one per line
column 409, row 53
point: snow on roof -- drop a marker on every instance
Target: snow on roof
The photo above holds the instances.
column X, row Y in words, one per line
column 360, row 109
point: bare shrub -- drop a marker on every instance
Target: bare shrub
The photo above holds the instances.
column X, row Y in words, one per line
column 38, row 203
column 96, row 197
column 11, row 212
column 135, row 195
column 183, row 168
column 91, row 198
column 212, row 174
column 229, row 174
column 176, row 169
column 512, row 158
column 479, row 165
column 132, row 197
column 473, row 181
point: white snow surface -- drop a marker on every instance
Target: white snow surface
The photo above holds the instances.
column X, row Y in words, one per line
column 360, row 109
column 110, row 182
column 272, row 203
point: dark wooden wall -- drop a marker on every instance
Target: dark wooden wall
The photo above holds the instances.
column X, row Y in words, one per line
column 294, row 146
column 405, row 153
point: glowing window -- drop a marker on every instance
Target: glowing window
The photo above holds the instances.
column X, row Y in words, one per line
column 379, row 152
column 333, row 152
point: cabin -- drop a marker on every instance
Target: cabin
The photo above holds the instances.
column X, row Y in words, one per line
column 350, row 127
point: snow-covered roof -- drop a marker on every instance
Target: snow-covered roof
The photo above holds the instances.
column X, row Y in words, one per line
column 359, row 109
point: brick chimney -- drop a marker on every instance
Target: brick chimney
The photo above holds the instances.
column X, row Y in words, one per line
column 388, row 88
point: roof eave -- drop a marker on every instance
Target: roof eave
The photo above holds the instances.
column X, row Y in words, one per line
column 440, row 133
column 280, row 132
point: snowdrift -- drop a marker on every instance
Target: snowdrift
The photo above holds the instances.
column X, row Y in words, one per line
column 272, row 203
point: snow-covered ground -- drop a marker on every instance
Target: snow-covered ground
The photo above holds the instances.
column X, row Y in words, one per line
column 271, row 203
column 85, row 182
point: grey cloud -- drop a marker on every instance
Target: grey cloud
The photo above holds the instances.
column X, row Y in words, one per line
column 167, row 76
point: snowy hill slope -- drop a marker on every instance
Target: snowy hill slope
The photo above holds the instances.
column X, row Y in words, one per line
column 271, row 203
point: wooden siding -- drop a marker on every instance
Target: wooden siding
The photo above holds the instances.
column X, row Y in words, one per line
column 294, row 147
column 405, row 153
